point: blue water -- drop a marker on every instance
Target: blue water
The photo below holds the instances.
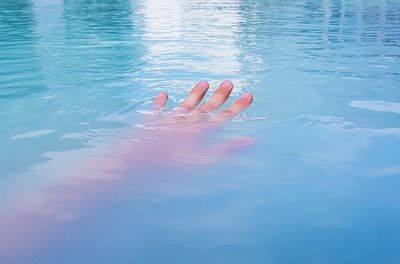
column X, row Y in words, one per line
column 320, row 183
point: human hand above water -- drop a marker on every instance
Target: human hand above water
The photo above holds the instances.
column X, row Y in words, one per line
column 191, row 113
column 178, row 135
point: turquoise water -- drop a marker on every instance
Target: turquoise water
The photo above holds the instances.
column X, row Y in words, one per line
column 320, row 183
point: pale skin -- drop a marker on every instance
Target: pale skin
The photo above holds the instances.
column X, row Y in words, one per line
column 187, row 124
column 176, row 139
column 219, row 97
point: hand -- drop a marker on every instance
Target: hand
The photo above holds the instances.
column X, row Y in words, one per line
column 189, row 116
column 178, row 133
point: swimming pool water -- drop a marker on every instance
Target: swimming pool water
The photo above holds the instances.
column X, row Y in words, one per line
column 320, row 183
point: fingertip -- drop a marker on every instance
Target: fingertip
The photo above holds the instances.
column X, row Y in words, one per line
column 195, row 96
column 162, row 95
column 227, row 83
column 203, row 84
column 160, row 101
column 248, row 97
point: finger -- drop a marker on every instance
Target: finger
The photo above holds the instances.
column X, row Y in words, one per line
column 238, row 106
column 160, row 101
column 218, row 98
column 195, row 96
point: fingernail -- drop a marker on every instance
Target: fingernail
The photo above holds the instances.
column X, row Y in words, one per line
column 161, row 95
column 226, row 83
column 246, row 96
column 202, row 84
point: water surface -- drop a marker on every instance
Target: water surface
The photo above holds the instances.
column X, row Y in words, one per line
column 320, row 184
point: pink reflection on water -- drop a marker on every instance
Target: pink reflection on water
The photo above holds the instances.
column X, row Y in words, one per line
column 69, row 188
